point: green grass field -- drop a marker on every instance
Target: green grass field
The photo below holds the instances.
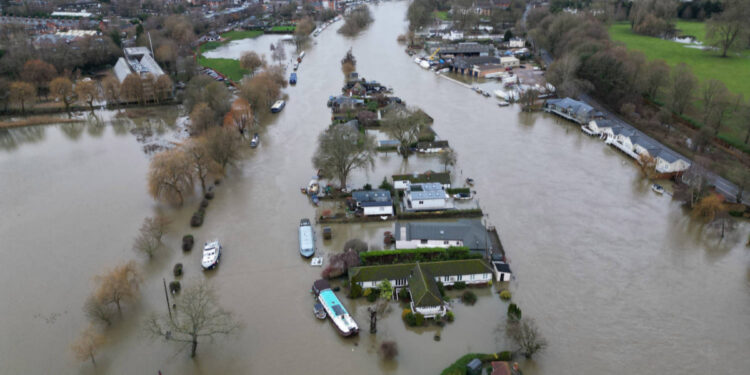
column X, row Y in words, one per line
column 279, row 29
column 733, row 71
column 228, row 67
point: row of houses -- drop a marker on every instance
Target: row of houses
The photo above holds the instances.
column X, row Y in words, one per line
column 625, row 138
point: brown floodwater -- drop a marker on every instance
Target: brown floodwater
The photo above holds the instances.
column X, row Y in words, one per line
column 619, row 279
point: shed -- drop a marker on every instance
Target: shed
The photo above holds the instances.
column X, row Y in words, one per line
column 374, row 202
column 474, row 367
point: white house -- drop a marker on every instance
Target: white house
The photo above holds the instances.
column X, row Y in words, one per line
column 453, row 35
column 464, row 232
column 403, row 181
column 421, row 278
column 516, row 43
column 509, row 62
column 426, row 197
column 374, row 202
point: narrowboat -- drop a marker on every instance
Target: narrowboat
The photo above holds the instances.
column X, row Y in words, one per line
column 293, row 79
column 344, row 322
column 306, row 238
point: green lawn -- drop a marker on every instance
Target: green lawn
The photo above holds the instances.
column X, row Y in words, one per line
column 442, row 15
column 283, row 28
column 733, row 71
column 692, row 28
column 228, row 67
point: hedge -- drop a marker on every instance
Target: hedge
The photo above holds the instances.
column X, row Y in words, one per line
column 458, row 190
column 420, row 254
column 474, row 212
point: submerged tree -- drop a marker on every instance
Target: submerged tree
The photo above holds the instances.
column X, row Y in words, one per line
column 526, row 336
column 199, row 316
column 251, row 61
column 348, row 63
column 98, row 311
column 342, row 149
column 200, row 158
column 149, row 236
column 223, row 146
column 61, row 89
column 87, row 92
column 405, row 126
column 118, row 285
column 170, row 176
column 87, row 344
column 448, row 157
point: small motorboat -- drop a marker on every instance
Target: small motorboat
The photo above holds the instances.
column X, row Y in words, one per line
column 470, row 181
column 278, row 106
column 313, row 187
column 319, row 311
column 315, row 199
column 485, row 94
column 296, row 66
column 503, row 103
column 658, row 189
column 211, row 254
column 255, row 141
column 462, row 196
column 306, row 238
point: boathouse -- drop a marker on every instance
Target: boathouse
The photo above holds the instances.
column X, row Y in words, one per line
column 464, row 232
column 465, row 49
column 570, row 109
column 374, row 202
column 501, row 271
column 432, row 147
column 426, row 197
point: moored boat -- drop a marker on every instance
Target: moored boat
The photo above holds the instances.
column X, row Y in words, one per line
column 462, row 196
column 502, row 103
column 211, row 254
column 306, row 238
column 255, row 141
column 278, row 106
column 344, row 322
column 319, row 311
column 470, row 181
column 293, row 79
column 658, row 189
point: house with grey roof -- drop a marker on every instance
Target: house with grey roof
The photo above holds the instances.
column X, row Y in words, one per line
column 468, row 233
column 465, row 49
column 421, row 278
column 402, row 181
column 426, row 197
column 374, row 202
column 570, row 109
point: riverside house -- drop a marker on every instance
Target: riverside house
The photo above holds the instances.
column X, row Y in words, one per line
column 374, row 202
column 571, row 109
column 426, row 197
column 421, row 278
column 402, row 181
column 423, row 234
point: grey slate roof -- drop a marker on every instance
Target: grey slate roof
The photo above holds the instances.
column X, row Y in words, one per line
column 470, row 231
column 424, row 191
column 373, row 198
column 463, row 48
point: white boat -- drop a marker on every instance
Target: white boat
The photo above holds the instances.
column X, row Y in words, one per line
column 306, row 238
column 462, row 196
column 503, row 103
column 658, row 189
column 425, row 64
column 313, row 187
column 296, row 66
column 344, row 322
column 255, row 141
column 302, row 55
column 211, row 254
column 417, row 60
column 278, row 106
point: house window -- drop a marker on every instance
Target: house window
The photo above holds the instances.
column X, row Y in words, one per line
column 421, row 202
column 423, row 242
column 459, row 277
column 446, row 278
column 472, row 277
column 445, row 242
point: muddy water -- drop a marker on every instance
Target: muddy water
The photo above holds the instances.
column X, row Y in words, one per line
column 615, row 276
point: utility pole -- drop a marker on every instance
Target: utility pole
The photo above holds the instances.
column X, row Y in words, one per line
column 166, row 295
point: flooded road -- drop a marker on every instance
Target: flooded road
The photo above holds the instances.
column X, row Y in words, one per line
column 616, row 276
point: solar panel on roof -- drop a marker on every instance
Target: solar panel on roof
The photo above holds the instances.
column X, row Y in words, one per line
column 338, row 310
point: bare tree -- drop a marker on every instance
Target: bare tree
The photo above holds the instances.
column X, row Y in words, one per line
column 61, row 89
column 240, row 116
column 200, row 158
column 87, row 92
column 111, row 89
column 714, row 92
column 198, row 317
column 223, row 146
column 712, row 210
column 279, row 53
column 302, row 31
column 150, row 234
column 251, row 61
column 562, row 74
column 655, row 77
column 526, row 336
column 448, row 157
column 342, row 149
column 741, row 177
column 163, row 88
column 118, row 285
column 98, row 311
column 22, row 93
column 683, row 84
column 39, row 73
column 728, row 30
column 202, row 118
column 348, row 63
column 170, row 176
column 132, row 88
column 404, row 126
column 87, row 344
column 261, row 90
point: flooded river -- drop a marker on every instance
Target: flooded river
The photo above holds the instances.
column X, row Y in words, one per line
column 618, row 278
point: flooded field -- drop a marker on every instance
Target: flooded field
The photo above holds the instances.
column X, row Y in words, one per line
column 616, row 276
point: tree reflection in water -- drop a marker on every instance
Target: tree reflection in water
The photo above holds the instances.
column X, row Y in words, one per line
column 10, row 139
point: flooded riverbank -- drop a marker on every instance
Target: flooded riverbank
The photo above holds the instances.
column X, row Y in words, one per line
column 600, row 261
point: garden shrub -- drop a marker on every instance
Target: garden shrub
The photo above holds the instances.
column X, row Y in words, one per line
column 441, row 288
column 440, row 323
column 403, row 294
column 404, row 312
column 197, row 219
column 514, row 312
column 367, row 187
column 385, row 185
column 177, row 270
column 436, row 337
column 187, row 242
column 505, row 295
column 449, row 316
column 459, row 285
column 174, row 287
column 410, row 319
column 373, row 296
column 506, row 356
column 469, row 297
column 204, row 203
column 209, row 195
column 367, row 292
column 388, row 350
column 355, row 291
column 419, row 319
